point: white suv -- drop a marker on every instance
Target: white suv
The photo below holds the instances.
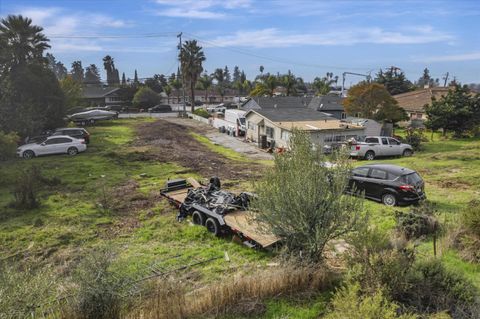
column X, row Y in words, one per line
column 57, row 144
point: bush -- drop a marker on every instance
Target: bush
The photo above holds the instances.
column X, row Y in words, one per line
column 145, row 98
column 8, row 145
column 26, row 188
column 202, row 113
column 414, row 137
column 470, row 218
column 467, row 237
column 418, row 222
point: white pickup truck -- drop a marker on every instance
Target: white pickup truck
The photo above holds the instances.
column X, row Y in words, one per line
column 376, row 146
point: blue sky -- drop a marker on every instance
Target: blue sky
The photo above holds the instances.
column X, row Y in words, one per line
column 306, row 36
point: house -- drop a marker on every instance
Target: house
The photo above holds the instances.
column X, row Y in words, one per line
column 372, row 128
column 277, row 102
column 414, row 102
column 272, row 127
column 102, row 96
column 330, row 103
column 211, row 97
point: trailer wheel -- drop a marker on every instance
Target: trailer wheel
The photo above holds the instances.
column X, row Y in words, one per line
column 213, row 226
column 198, row 218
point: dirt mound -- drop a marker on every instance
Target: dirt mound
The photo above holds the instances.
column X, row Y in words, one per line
column 171, row 142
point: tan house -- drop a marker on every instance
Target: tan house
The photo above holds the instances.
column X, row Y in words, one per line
column 414, row 102
column 273, row 127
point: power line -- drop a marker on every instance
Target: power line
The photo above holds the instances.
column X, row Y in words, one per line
column 116, row 36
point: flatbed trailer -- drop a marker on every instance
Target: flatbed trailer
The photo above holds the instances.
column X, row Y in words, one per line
column 237, row 222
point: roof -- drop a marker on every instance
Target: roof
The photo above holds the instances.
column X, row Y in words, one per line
column 93, row 92
column 277, row 102
column 327, row 124
column 290, row 114
column 395, row 169
column 415, row 101
column 327, row 103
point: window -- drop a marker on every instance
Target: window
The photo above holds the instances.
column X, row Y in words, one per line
column 393, row 141
column 328, row 139
column 269, row 131
column 378, row 174
column 360, row 171
column 252, row 126
column 371, row 140
column 344, row 115
column 339, row 138
column 384, row 141
column 59, row 140
column 285, row 135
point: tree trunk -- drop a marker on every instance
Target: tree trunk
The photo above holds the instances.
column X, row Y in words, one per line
column 206, row 96
column 192, row 95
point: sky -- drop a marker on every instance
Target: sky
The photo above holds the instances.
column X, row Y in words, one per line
column 308, row 37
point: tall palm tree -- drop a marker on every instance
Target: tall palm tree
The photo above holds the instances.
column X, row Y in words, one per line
column 109, row 66
column 289, row 82
column 265, row 88
column 168, row 90
column 20, row 41
column 191, row 59
column 205, row 82
column 323, row 86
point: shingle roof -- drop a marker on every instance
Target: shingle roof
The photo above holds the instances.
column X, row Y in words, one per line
column 416, row 100
column 92, row 92
column 291, row 114
column 326, row 103
column 280, row 102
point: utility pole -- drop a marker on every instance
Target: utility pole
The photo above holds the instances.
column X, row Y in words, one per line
column 367, row 76
column 179, row 36
column 446, row 79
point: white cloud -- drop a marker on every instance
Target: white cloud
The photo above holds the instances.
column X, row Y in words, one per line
column 472, row 56
column 199, row 9
column 272, row 37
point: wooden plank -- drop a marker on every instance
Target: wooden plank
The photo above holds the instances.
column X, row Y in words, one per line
column 177, row 195
column 242, row 221
column 194, row 182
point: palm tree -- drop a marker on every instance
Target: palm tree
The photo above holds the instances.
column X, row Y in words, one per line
column 109, row 66
column 168, row 90
column 289, row 83
column 191, row 59
column 176, row 84
column 265, row 88
column 323, row 86
column 206, row 83
column 20, row 41
column 219, row 75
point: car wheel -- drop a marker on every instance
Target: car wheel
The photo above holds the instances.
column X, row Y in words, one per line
column 72, row 151
column 83, row 123
column 389, row 199
column 370, row 156
column 198, row 218
column 407, row 153
column 213, row 226
column 28, row 154
column 92, row 122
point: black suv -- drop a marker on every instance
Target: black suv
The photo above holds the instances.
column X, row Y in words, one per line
column 76, row 132
column 389, row 184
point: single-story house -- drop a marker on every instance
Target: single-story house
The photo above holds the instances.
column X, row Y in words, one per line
column 276, row 102
column 330, row 103
column 414, row 102
column 102, row 96
column 212, row 96
column 372, row 127
column 272, row 127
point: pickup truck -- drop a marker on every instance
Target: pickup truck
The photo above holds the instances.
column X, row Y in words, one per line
column 377, row 146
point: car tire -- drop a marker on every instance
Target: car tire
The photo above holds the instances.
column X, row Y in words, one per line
column 370, row 155
column 213, row 226
column 198, row 218
column 389, row 199
column 28, row 154
column 407, row 153
column 83, row 123
column 72, row 151
column 91, row 122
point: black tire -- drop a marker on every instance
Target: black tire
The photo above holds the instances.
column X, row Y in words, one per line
column 28, row 154
column 198, row 218
column 370, row 155
column 83, row 123
column 389, row 199
column 407, row 153
column 72, row 151
column 213, row 226
column 92, row 121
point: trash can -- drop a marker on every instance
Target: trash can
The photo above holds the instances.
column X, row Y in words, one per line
column 263, row 142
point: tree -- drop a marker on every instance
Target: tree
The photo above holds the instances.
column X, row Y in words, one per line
column 57, row 67
column 168, row 91
column 302, row 202
column 391, row 113
column 175, row 83
column 324, row 85
column 124, row 81
column 289, row 82
column 155, row 83
column 72, row 91
column 145, row 98
column 219, row 75
column 135, row 78
column 226, row 74
column 21, row 42
column 367, row 98
column 266, row 87
column 191, row 58
column 77, row 71
column 236, row 74
column 112, row 72
column 395, row 82
column 426, row 79
column 261, row 69
column 205, row 82
column 92, row 75
column 458, row 111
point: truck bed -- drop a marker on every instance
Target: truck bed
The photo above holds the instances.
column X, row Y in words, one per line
column 242, row 221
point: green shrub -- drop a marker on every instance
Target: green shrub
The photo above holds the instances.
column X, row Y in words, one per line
column 419, row 221
column 145, row 97
column 8, row 145
column 470, row 217
column 414, row 137
column 467, row 237
column 26, row 188
column 202, row 113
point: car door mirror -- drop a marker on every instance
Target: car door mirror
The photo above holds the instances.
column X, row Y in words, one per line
column 43, row 144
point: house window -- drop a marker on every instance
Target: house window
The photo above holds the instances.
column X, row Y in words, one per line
column 344, row 115
column 328, row 139
column 269, row 131
column 285, row 135
column 252, row 126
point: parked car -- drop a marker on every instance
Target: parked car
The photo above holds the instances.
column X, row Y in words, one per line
column 57, row 144
column 115, row 108
column 220, row 108
column 76, row 132
column 161, row 108
column 390, row 184
column 376, row 146
column 90, row 117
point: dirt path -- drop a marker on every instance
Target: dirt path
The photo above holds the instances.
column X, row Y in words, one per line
column 171, row 142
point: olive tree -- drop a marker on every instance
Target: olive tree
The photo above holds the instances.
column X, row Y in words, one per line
column 302, row 200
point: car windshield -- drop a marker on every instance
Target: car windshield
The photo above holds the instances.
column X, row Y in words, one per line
column 242, row 120
column 412, row 178
column 42, row 140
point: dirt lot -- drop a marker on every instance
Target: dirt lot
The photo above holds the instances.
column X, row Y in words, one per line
column 171, row 142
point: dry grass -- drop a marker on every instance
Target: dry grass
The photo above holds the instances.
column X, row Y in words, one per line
column 240, row 295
